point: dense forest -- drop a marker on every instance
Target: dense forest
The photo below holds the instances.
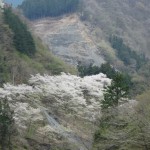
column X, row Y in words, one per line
column 126, row 54
column 23, row 40
column 34, row 9
column 93, row 70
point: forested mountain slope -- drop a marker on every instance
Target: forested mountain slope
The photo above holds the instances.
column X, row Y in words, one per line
column 99, row 31
column 126, row 19
column 128, row 23
column 17, row 66
column 62, row 112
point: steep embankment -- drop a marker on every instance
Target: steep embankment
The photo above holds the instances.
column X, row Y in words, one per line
column 56, row 111
column 68, row 38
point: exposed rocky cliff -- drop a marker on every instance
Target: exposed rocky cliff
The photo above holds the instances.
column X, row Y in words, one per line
column 68, row 38
column 84, row 37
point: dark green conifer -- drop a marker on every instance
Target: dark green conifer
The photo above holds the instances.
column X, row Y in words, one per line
column 114, row 93
column 6, row 125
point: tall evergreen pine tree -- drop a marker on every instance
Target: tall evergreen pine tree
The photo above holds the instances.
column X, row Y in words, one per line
column 116, row 92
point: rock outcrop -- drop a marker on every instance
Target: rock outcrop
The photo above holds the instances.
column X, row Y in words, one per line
column 68, row 38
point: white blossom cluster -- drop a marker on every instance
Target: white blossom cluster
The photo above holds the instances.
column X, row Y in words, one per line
column 65, row 92
column 81, row 95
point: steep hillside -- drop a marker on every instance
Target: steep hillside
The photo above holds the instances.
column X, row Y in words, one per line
column 17, row 67
column 62, row 112
column 69, row 39
column 86, row 36
column 127, row 19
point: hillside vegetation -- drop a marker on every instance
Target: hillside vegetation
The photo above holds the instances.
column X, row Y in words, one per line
column 121, row 31
column 126, row 19
column 22, row 39
column 99, row 31
column 15, row 66
column 55, row 112
column 63, row 110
